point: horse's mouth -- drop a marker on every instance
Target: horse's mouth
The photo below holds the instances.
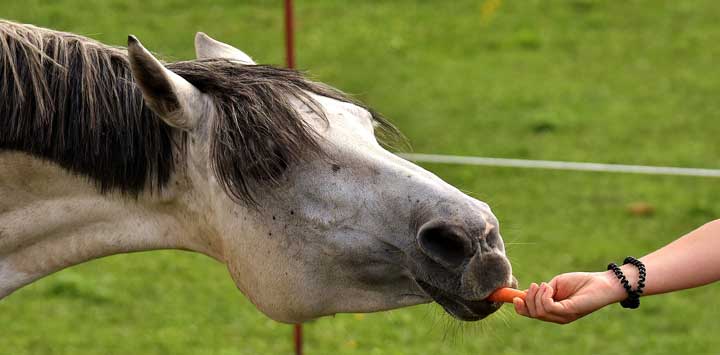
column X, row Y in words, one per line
column 457, row 307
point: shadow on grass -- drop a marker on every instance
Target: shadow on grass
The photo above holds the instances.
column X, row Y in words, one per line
column 73, row 289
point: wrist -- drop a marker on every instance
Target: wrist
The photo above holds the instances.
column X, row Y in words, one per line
column 613, row 288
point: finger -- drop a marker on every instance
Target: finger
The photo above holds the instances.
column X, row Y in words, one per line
column 530, row 299
column 565, row 307
column 548, row 309
column 520, row 307
column 548, row 300
column 539, row 306
column 560, row 288
column 555, row 284
column 549, row 304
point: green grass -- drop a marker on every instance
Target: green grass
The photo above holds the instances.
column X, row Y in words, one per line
column 606, row 81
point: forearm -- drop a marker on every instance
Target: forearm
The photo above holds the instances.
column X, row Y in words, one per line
column 690, row 261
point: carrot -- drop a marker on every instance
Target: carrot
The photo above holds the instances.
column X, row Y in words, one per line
column 506, row 295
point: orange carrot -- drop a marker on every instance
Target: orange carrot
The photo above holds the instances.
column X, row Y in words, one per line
column 506, row 295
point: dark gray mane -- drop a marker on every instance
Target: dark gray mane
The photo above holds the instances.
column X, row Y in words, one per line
column 73, row 101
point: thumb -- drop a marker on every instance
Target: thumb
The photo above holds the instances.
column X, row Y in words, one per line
column 520, row 307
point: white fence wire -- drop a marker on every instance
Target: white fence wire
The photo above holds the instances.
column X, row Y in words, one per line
column 560, row 165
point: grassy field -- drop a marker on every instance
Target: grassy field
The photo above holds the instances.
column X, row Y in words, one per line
column 607, row 81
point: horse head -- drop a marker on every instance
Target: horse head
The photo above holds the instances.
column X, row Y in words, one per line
column 312, row 215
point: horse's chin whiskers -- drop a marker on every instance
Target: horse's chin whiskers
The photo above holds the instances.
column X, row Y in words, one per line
column 504, row 316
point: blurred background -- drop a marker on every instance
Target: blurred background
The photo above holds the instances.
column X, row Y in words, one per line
column 633, row 82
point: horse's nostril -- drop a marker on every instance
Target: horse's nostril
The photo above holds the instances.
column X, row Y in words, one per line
column 446, row 244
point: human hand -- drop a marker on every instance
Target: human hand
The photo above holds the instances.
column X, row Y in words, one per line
column 570, row 296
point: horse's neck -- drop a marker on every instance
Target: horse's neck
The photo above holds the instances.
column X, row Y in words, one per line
column 51, row 219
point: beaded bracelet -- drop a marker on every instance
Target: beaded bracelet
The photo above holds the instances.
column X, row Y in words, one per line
column 633, row 299
column 642, row 273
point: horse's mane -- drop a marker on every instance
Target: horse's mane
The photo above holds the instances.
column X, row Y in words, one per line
column 73, row 101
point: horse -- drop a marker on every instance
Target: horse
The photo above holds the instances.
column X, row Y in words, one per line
column 288, row 182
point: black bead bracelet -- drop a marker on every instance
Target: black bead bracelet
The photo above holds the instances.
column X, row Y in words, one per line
column 642, row 273
column 633, row 299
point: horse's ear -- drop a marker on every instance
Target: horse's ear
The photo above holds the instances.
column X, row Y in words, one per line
column 208, row 48
column 173, row 98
